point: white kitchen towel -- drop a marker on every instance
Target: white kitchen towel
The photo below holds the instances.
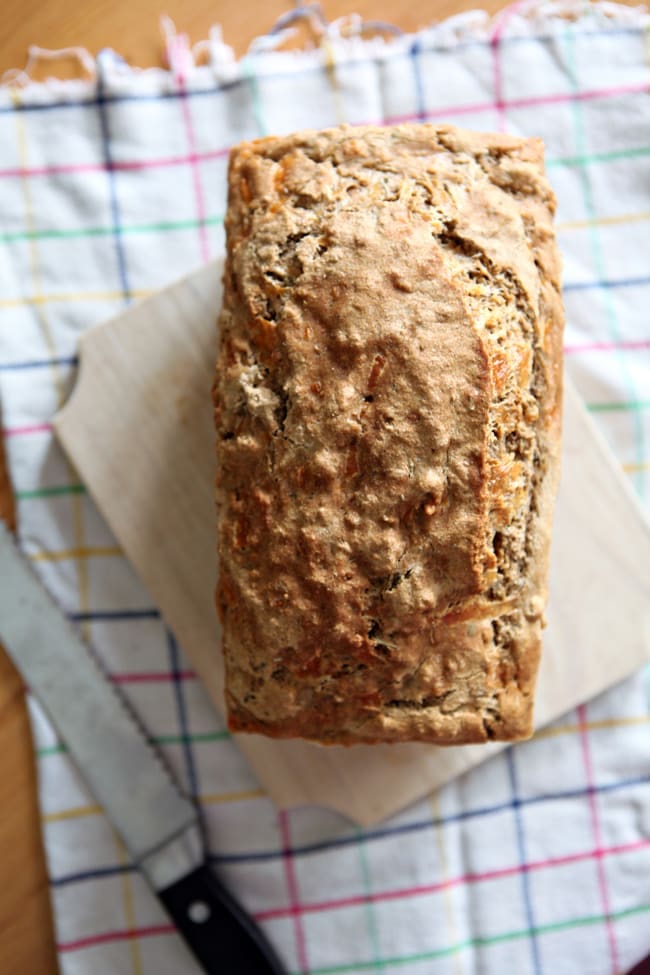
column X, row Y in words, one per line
column 536, row 862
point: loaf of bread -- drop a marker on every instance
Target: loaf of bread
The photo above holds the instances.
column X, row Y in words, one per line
column 388, row 407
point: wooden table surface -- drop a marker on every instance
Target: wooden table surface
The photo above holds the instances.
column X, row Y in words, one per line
column 26, row 933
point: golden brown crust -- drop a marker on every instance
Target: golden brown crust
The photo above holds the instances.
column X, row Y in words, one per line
column 387, row 405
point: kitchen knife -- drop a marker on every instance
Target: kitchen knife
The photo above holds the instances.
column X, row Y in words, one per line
column 159, row 826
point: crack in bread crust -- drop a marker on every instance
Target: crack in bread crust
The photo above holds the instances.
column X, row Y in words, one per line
column 387, row 404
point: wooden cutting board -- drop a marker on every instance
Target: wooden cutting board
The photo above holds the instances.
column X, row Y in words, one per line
column 138, row 427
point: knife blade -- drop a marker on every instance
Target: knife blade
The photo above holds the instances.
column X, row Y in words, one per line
column 159, row 826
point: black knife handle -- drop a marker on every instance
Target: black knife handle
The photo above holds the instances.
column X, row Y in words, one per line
column 223, row 938
column 642, row 967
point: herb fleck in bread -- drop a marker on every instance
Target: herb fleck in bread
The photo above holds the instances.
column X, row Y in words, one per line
column 387, row 405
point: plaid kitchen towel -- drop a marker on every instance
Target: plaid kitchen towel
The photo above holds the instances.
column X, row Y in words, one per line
column 536, row 862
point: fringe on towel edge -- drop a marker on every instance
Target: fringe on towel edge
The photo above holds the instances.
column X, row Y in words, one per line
column 343, row 39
